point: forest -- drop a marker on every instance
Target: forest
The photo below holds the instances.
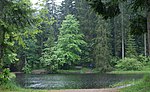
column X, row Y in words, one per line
column 76, row 36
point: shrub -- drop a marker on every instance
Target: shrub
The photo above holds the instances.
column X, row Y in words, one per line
column 129, row 64
column 27, row 69
column 143, row 59
column 146, row 78
column 6, row 76
column 113, row 61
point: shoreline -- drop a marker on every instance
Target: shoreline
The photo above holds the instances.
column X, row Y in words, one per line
column 87, row 90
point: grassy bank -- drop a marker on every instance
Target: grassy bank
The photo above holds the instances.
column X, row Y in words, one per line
column 22, row 90
column 142, row 85
column 12, row 87
column 129, row 72
column 80, row 71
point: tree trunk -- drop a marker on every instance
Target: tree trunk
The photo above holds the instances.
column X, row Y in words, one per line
column 148, row 30
column 2, row 36
column 145, row 45
column 122, row 33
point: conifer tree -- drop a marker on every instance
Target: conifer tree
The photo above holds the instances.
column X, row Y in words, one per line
column 68, row 47
column 102, row 51
column 131, row 46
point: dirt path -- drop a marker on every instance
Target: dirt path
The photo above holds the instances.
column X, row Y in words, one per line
column 87, row 90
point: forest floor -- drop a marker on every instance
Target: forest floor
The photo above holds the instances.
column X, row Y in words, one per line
column 87, row 90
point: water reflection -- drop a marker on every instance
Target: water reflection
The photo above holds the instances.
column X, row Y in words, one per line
column 72, row 81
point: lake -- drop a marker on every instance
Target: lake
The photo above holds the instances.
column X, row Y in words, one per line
column 73, row 81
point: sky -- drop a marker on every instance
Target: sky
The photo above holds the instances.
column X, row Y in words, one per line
column 57, row 1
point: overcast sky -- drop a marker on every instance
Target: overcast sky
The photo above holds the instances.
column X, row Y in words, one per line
column 58, row 1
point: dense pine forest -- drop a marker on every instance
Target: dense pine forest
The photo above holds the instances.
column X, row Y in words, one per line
column 99, row 35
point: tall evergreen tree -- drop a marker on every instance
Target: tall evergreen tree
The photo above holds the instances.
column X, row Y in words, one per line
column 68, row 48
column 88, row 23
column 111, row 9
column 102, row 52
column 131, row 47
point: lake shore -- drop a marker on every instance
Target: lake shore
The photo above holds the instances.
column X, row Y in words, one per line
column 129, row 72
column 87, row 90
column 66, row 90
column 73, row 71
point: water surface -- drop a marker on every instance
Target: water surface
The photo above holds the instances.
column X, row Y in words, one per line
column 73, row 81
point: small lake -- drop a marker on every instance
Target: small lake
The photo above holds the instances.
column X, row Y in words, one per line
column 73, row 81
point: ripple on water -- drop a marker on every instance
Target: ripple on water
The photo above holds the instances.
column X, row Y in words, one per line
column 72, row 81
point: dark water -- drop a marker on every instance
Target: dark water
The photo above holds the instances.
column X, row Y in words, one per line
column 73, row 81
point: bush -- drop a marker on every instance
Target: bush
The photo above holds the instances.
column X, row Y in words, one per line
column 129, row 64
column 143, row 59
column 10, row 86
column 27, row 69
column 113, row 61
column 6, row 76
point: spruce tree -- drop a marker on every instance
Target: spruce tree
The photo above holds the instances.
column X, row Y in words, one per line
column 131, row 46
column 88, row 23
column 102, row 51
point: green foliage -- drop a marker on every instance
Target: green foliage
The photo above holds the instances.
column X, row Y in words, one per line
column 9, row 57
column 79, row 71
column 51, row 58
column 130, row 72
column 39, row 39
column 113, row 61
column 143, row 59
column 6, row 76
column 129, row 64
column 67, row 49
column 131, row 47
column 16, row 23
column 70, row 40
column 101, row 44
column 138, row 25
column 27, row 68
column 105, row 7
column 88, row 22
column 29, row 35
column 11, row 86
column 141, row 86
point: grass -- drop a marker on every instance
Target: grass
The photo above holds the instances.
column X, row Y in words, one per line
column 142, row 85
column 124, row 83
column 129, row 72
column 12, row 87
column 80, row 71
column 138, row 87
column 23, row 90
